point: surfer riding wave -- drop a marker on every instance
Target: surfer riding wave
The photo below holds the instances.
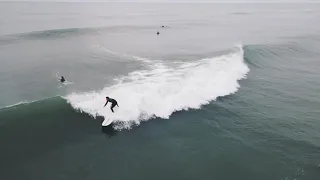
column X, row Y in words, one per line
column 113, row 103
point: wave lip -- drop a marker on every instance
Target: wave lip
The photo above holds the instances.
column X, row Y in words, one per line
column 14, row 105
column 163, row 90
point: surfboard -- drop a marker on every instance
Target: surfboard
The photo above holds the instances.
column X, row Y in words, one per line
column 108, row 121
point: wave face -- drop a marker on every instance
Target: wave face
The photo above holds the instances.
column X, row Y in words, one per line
column 162, row 90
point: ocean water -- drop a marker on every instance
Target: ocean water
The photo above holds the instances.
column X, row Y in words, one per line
column 225, row 91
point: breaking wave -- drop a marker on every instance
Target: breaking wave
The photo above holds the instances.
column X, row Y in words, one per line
column 162, row 90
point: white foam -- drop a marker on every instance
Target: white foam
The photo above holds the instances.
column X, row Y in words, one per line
column 163, row 90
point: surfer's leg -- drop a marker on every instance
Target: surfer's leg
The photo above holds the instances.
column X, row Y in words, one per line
column 112, row 106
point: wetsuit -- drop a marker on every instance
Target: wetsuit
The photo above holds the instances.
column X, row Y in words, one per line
column 113, row 103
column 62, row 79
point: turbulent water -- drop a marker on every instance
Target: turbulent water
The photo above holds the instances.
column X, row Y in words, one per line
column 225, row 91
column 158, row 92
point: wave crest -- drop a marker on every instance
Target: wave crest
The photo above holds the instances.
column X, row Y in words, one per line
column 163, row 90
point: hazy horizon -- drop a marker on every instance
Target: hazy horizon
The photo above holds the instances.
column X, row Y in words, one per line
column 174, row 1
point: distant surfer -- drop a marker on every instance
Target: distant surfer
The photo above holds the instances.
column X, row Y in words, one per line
column 158, row 33
column 62, row 79
column 113, row 103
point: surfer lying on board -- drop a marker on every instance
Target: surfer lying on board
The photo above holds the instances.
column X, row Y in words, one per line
column 113, row 103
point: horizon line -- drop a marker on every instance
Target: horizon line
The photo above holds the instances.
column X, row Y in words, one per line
column 145, row 1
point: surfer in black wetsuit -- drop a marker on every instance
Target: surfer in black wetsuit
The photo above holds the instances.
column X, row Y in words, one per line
column 113, row 103
column 62, row 79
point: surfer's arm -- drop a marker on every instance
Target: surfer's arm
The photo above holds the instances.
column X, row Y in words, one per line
column 106, row 104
